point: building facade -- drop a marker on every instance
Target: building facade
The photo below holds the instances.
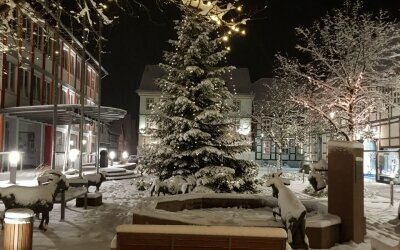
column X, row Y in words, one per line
column 238, row 82
column 28, row 77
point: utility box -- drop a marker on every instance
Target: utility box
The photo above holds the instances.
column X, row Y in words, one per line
column 346, row 188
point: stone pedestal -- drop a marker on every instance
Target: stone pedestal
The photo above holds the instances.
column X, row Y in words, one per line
column 346, row 188
column 93, row 199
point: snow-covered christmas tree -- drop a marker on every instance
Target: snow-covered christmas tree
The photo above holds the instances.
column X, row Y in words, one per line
column 195, row 135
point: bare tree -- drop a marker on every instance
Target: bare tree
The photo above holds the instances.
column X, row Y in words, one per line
column 283, row 121
column 348, row 68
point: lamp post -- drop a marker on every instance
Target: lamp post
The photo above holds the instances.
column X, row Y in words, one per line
column 112, row 156
column 13, row 158
column 125, row 155
column 73, row 155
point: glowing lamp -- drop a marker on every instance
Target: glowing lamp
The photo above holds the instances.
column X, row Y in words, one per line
column 125, row 155
column 73, row 154
column 14, row 157
column 112, row 155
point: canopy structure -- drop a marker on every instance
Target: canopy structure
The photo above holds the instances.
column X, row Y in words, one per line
column 66, row 113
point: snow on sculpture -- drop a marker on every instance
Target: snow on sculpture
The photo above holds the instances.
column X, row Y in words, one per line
column 292, row 213
column 95, row 179
column 40, row 198
column 174, row 185
column 316, row 179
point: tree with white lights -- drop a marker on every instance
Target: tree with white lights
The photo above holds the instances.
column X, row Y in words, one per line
column 283, row 121
column 349, row 67
column 193, row 129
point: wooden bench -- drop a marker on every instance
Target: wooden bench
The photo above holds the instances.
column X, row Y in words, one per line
column 191, row 237
column 78, row 187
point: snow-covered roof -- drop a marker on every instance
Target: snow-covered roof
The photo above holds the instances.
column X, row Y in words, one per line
column 240, row 80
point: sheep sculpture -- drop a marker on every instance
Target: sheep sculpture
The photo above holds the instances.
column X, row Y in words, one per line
column 95, row 180
column 174, row 185
column 39, row 198
column 291, row 211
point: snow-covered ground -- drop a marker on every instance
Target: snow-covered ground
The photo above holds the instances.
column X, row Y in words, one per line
column 94, row 228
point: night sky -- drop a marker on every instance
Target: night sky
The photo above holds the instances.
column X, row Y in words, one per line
column 141, row 39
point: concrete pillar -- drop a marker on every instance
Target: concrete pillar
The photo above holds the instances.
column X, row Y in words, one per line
column 346, row 188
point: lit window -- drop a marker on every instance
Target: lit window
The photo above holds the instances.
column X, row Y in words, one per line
column 149, row 123
column 236, row 106
column 72, row 64
column 149, row 103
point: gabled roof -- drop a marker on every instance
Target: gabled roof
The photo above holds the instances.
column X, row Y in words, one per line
column 240, row 80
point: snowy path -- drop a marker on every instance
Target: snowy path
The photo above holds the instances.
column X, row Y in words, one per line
column 94, row 228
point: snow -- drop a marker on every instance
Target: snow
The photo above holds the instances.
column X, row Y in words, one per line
column 19, row 213
column 345, row 144
column 94, row 228
column 30, row 195
column 204, row 230
column 322, row 220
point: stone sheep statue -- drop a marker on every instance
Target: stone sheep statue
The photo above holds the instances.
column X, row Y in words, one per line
column 174, row 185
column 40, row 198
column 95, row 180
column 292, row 213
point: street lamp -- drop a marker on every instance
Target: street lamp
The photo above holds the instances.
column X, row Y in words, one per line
column 73, row 155
column 13, row 158
column 125, row 155
column 112, row 156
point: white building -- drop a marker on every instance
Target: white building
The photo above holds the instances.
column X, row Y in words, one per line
column 238, row 82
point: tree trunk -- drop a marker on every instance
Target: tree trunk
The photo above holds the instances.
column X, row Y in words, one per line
column 279, row 158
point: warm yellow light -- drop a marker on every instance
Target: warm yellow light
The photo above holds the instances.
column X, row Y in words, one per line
column 228, row 48
column 239, row 8
column 209, row 3
column 225, row 38
column 229, row 32
column 243, row 32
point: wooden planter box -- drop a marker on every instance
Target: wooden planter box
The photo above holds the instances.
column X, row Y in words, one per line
column 93, row 199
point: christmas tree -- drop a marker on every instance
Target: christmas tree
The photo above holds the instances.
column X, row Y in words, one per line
column 195, row 135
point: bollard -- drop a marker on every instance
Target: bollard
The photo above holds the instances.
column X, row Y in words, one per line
column 391, row 193
column 18, row 229
column 303, row 174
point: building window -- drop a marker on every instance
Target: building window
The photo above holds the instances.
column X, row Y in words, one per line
column 26, row 28
column 72, row 64
column 36, row 87
column 149, row 123
column 149, row 103
column 38, row 36
column 47, row 92
column 78, row 68
column 236, row 106
column 48, row 43
column 65, row 56
column 12, row 68
column 25, row 83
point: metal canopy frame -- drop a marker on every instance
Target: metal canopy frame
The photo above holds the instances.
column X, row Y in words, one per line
column 66, row 113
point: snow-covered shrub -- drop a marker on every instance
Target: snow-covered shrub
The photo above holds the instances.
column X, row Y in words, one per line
column 40, row 198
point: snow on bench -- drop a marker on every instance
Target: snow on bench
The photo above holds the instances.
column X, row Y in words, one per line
column 207, row 237
column 322, row 220
column 379, row 242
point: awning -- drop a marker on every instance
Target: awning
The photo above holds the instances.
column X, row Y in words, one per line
column 66, row 113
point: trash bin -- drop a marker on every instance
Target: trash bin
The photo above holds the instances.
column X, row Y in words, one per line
column 103, row 158
column 18, row 229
